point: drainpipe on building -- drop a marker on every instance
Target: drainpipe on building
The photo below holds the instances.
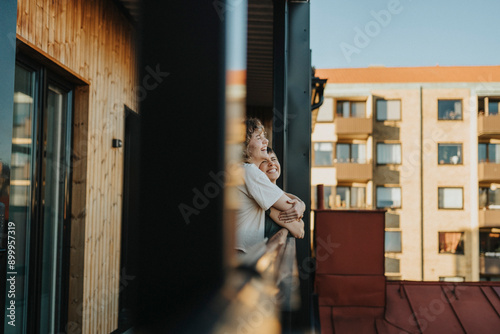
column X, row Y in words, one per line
column 421, row 184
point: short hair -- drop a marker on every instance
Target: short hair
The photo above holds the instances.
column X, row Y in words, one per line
column 270, row 150
column 252, row 125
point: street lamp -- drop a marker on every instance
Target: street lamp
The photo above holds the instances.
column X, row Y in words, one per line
column 317, row 89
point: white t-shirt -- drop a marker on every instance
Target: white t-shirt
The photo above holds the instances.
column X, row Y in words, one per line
column 257, row 195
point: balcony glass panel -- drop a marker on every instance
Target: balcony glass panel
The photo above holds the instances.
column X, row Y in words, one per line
column 351, row 153
column 489, row 153
column 350, row 197
column 351, row 109
column 358, row 153
column 482, row 152
column 493, row 107
column 494, row 153
column 489, row 243
column 489, row 198
column 358, row 109
column 343, row 153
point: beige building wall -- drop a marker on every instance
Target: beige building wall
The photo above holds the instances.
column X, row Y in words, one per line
column 406, row 175
column 419, row 131
column 446, row 220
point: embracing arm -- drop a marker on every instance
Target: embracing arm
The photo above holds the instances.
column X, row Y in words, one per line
column 295, row 227
column 283, row 203
column 296, row 212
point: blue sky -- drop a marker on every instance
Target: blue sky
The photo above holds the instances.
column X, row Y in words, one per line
column 395, row 33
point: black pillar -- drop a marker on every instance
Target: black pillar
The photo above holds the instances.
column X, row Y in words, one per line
column 181, row 96
column 298, row 148
column 280, row 50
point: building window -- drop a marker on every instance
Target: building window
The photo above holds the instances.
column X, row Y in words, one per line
column 449, row 154
column 388, row 153
column 350, row 197
column 492, row 106
column 350, row 153
column 489, row 198
column 388, row 110
column 323, row 153
column 449, row 109
column 388, row 197
column 451, row 242
column 351, row 109
column 450, row 198
column 489, row 152
column 393, row 241
column 489, row 242
column 391, row 265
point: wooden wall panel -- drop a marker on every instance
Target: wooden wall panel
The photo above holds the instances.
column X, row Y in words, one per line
column 93, row 40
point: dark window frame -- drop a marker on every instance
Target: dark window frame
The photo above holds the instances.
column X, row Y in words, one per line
column 338, row 115
column 461, row 243
column 336, row 161
column 451, row 119
column 389, row 120
column 388, row 207
column 389, row 163
column 451, row 187
column 451, row 164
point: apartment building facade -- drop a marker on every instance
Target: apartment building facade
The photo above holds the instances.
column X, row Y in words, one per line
column 423, row 144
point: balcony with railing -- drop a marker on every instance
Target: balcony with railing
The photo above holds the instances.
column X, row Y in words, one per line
column 489, row 217
column 353, row 171
column 260, row 294
column 489, row 264
column 353, row 127
column 488, row 126
column 488, row 171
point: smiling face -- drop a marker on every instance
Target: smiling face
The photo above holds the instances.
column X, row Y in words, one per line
column 271, row 167
column 257, row 147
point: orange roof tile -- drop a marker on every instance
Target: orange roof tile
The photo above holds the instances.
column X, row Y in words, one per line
column 236, row 77
column 411, row 74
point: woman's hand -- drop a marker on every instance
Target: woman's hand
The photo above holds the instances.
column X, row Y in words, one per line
column 295, row 213
column 296, row 229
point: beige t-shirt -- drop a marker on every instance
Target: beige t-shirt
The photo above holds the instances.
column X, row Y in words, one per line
column 257, row 195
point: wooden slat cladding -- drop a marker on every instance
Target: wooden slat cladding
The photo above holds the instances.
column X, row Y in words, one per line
column 92, row 40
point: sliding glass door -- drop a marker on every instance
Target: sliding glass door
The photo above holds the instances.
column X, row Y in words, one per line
column 39, row 200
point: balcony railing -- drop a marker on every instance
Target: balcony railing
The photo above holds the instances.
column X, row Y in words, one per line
column 488, row 126
column 489, row 218
column 354, row 172
column 488, row 172
column 353, row 127
column 262, row 286
column 489, row 265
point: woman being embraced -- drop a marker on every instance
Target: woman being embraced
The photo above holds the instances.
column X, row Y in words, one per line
column 259, row 194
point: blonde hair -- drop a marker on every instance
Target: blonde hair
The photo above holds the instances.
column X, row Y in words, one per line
column 252, row 125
